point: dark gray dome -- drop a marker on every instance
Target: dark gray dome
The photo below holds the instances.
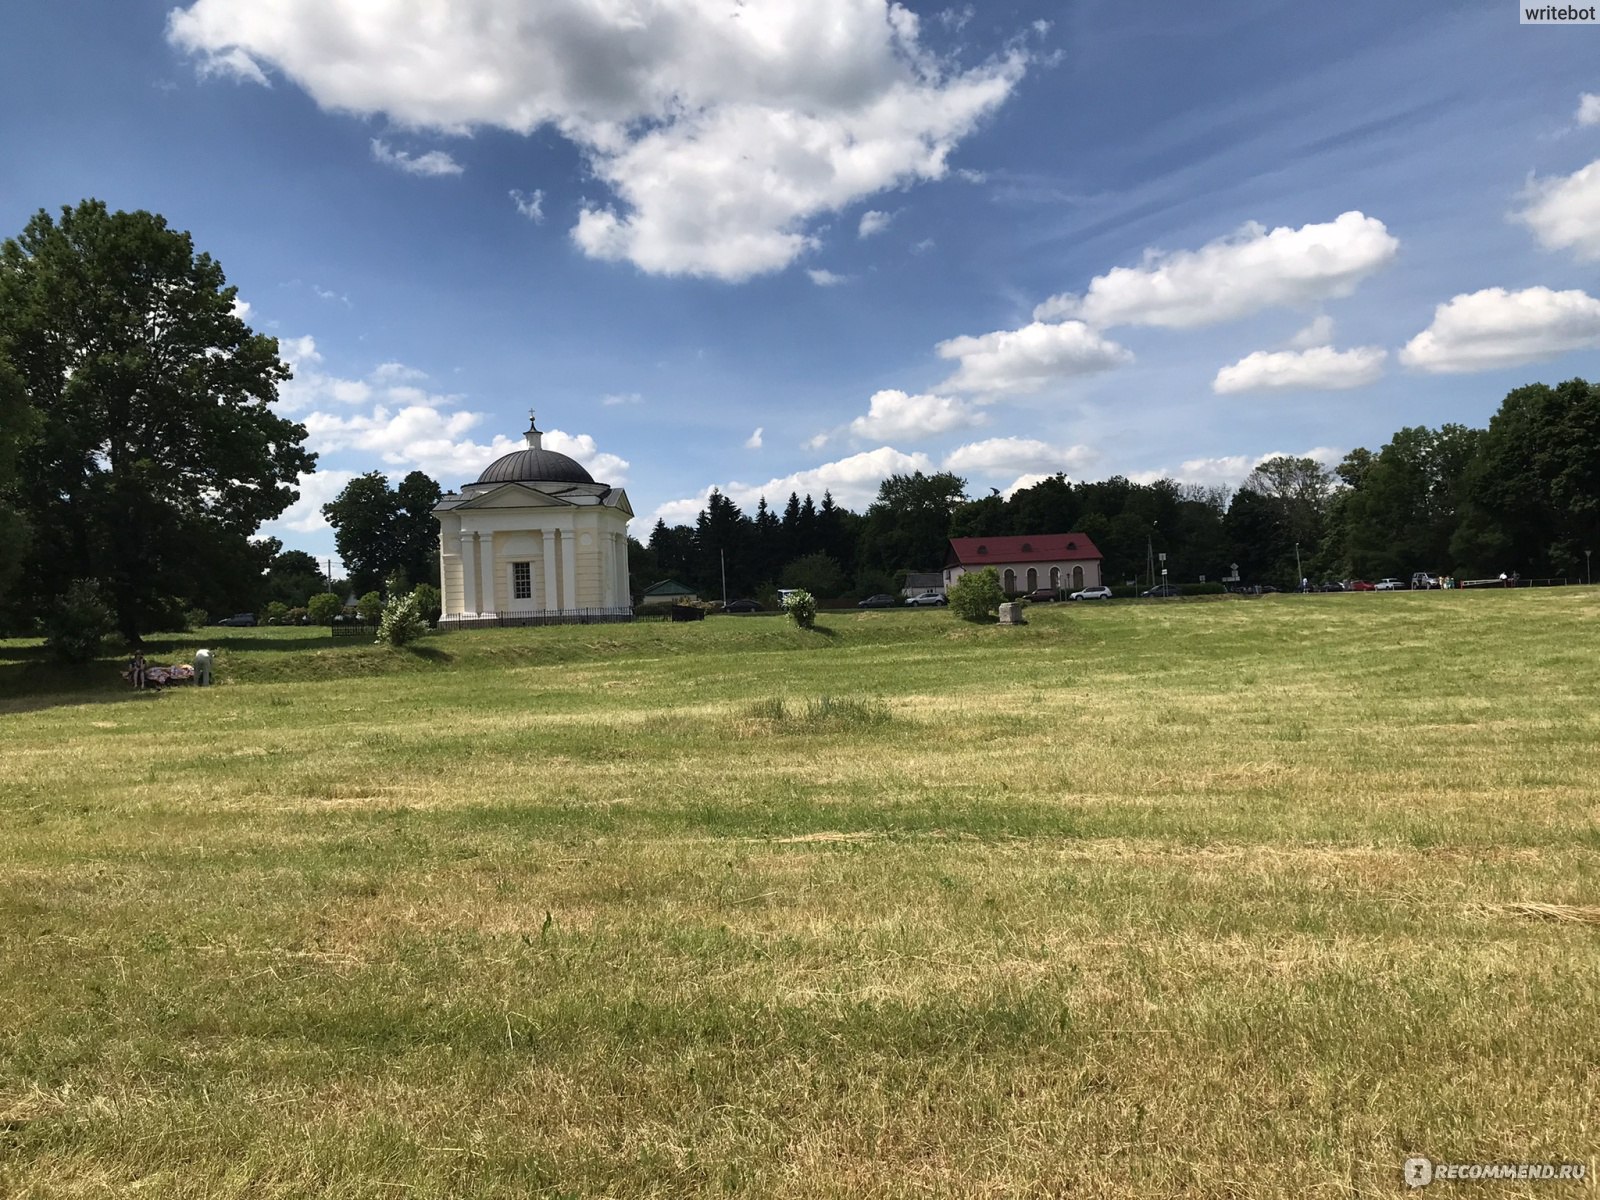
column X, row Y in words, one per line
column 534, row 466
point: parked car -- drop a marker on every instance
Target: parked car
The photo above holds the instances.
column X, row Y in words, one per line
column 881, row 600
column 927, row 600
column 1361, row 585
column 239, row 620
column 741, row 606
column 1422, row 581
column 1388, row 585
column 1332, row 585
column 1041, row 596
column 1093, row 593
column 1163, row 591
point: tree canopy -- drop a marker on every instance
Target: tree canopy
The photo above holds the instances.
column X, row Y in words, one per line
column 158, row 454
column 380, row 530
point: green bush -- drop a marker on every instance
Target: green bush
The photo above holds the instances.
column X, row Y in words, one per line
column 429, row 602
column 78, row 624
column 802, row 608
column 277, row 613
column 299, row 616
column 976, row 595
column 401, row 621
column 196, row 618
column 324, row 607
column 370, row 607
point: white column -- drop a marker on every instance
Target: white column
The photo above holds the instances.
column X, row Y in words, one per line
column 469, row 586
column 608, row 570
column 486, row 573
column 569, row 569
column 623, row 598
column 550, row 602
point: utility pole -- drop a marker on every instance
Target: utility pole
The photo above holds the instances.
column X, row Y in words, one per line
column 723, row 555
column 1297, row 569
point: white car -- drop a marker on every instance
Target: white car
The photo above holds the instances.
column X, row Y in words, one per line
column 1388, row 585
column 929, row 599
column 1094, row 593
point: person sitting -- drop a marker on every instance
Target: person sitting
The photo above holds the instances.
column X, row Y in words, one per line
column 136, row 670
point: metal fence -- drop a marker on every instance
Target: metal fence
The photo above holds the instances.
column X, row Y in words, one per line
column 570, row 616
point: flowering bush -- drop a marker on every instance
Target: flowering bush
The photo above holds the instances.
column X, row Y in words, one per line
column 802, row 608
column 402, row 621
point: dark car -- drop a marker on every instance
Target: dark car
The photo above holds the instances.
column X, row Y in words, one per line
column 741, row 606
column 1333, row 585
column 881, row 600
column 1163, row 591
column 239, row 619
column 1041, row 595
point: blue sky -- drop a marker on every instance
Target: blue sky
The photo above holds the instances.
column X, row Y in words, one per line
column 1005, row 239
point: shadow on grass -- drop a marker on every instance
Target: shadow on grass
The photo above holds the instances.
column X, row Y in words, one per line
column 430, row 654
column 824, row 631
column 30, row 687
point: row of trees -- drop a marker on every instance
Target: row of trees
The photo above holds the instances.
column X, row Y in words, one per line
column 1522, row 495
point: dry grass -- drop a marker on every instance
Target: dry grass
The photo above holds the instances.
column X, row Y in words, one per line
column 1160, row 900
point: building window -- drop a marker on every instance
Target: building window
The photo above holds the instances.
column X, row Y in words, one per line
column 522, row 581
column 1055, row 577
column 1077, row 578
column 1033, row 579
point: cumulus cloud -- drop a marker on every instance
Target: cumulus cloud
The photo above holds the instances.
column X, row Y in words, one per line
column 873, row 222
column 1321, row 368
column 893, row 414
column 753, row 442
column 1480, row 331
column 1027, row 359
column 1564, row 212
column 305, row 514
column 615, row 398
column 723, row 129
column 396, row 372
column 434, row 162
column 825, row 278
column 1230, row 470
column 853, row 481
column 529, row 204
column 1588, row 109
column 1015, row 455
column 1234, row 276
column 233, row 64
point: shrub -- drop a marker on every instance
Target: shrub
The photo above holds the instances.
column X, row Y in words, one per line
column 429, row 602
column 277, row 613
column 299, row 616
column 976, row 594
column 402, row 621
column 195, row 618
column 802, row 608
column 370, row 607
column 324, row 607
column 78, row 624
column 815, row 573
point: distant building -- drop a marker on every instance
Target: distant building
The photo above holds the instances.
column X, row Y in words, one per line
column 668, row 591
column 1051, row 560
column 919, row 583
column 534, row 538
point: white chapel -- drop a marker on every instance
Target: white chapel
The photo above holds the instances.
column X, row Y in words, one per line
column 534, row 537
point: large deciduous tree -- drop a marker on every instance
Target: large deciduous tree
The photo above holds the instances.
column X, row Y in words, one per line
column 380, row 530
column 159, row 454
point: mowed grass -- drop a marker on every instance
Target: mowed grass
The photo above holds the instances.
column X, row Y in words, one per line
column 1157, row 899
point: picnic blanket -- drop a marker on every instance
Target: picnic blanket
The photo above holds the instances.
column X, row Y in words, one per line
column 164, row 676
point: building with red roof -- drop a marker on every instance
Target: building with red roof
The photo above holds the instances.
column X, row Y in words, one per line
column 1069, row 561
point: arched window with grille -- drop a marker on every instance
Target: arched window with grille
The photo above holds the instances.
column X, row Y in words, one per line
column 1008, row 581
column 1055, row 577
column 1033, row 579
column 1077, row 579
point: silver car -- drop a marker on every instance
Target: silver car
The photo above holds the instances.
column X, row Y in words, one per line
column 1094, row 593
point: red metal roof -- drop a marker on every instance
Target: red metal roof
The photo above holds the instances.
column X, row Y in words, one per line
column 1043, row 547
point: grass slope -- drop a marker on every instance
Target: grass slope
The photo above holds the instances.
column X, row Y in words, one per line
column 1151, row 899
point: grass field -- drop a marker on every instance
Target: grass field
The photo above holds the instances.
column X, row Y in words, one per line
column 1248, row 898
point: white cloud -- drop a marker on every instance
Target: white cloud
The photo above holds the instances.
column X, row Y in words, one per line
column 873, row 222
column 305, row 514
column 1230, row 470
column 433, row 163
column 529, row 204
column 1014, row 455
column 825, row 278
column 1318, row 333
column 817, row 442
column 1023, row 482
column 723, row 129
column 1564, row 212
column 1496, row 328
column 395, row 372
column 853, row 481
column 615, row 398
column 1588, row 109
column 1234, row 276
column 1027, row 359
column 241, row 309
column 233, row 64
column 1321, row 368
column 893, row 414
column 753, row 442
